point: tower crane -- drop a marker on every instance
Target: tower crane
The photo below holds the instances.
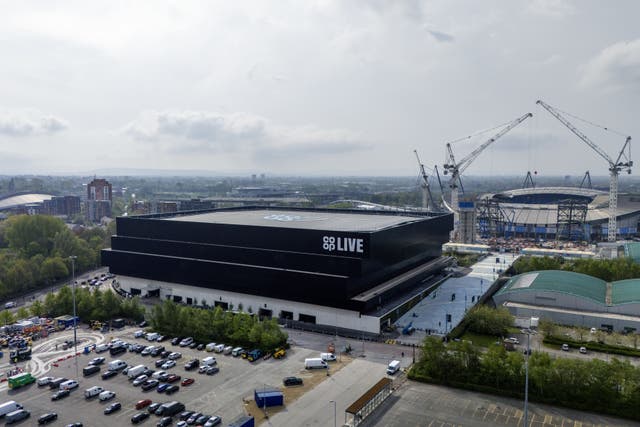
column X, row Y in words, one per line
column 622, row 162
column 455, row 169
column 427, row 197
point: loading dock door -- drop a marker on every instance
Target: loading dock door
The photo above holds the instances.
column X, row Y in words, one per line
column 135, row 291
column 307, row 318
column 153, row 293
column 263, row 313
column 177, row 298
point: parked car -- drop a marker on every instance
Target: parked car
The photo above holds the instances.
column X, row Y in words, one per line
column 156, row 375
column 153, row 407
column 565, row 347
column 192, row 364
column 143, row 403
column 173, row 378
column 175, row 355
column 169, row 364
column 213, row 421
column 202, row 419
column 149, row 385
column 183, row 416
column 172, row 389
column 160, row 362
column 176, row 341
column 164, row 422
column 200, row 347
column 192, row 419
column 106, row 395
column 583, row 350
column 139, row 380
column 162, row 387
column 187, row 381
column 139, row 417
column 97, row 361
column 186, row 342
column 42, row 381
column 115, row 406
column 47, row 418
column 108, row 374
column 288, row 381
column 213, row 370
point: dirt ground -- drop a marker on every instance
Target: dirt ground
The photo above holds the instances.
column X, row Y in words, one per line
column 311, row 378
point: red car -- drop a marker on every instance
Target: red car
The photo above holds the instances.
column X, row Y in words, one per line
column 143, row 403
column 173, row 378
column 187, row 381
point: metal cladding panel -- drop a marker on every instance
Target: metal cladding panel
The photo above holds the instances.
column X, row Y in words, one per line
column 279, row 259
column 354, row 244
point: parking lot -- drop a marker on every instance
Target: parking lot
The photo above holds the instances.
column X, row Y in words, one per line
column 221, row 394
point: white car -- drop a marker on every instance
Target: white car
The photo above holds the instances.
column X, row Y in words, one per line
column 583, row 350
column 106, row 395
column 44, row 381
column 139, row 380
column 169, row 364
column 185, row 342
column 174, row 356
column 138, row 334
column 158, row 374
column 147, row 350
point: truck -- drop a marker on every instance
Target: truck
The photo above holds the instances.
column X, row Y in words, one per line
column 279, row 353
column 20, row 380
column 170, row 409
column 19, row 354
column 135, row 371
column 9, row 406
column 118, row 323
column 393, row 367
column 254, row 355
column 315, row 363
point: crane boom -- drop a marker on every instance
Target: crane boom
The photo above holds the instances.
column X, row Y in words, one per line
column 622, row 162
column 426, row 188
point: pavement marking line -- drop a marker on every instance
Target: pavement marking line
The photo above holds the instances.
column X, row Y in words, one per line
column 577, row 424
column 548, row 419
column 431, row 423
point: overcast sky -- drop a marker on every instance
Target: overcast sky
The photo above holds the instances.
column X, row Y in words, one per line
column 313, row 87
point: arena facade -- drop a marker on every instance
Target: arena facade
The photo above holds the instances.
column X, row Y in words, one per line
column 548, row 213
column 346, row 268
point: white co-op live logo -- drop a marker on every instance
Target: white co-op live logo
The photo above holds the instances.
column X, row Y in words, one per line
column 343, row 244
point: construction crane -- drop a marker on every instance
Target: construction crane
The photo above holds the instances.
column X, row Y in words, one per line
column 427, row 197
column 455, row 169
column 622, row 162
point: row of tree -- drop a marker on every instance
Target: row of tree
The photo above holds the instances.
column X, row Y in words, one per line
column 608, row 270
column 217, row 325
column 91, row 304
column 594, row 385
column 35, row 251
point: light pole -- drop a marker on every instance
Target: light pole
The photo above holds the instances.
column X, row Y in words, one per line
column 526, row 382
column 334, row 413
column 75, row 321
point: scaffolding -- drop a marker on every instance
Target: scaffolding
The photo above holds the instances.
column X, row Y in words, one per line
column 490, row 218
column 368, row 402
column 571, row 219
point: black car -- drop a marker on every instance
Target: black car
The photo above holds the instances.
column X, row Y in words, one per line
column 292, row 381
column 149, row 385
column 164, row 422
column 184, row 416
column 148, row 372
column 157, row 350
column 160, row 362
column 193, row 345
column 192, row 364
column 109, row 374
column 117, row 350
column 60, row 394
column 213, row 370
column 176, row 340
column 47, row 418
column 153, row 407
column 139, row 417
column 164, row 377
column 200, row 347
column 172, row 389
column 115, row 406
column 203, row 419
column 165, row 354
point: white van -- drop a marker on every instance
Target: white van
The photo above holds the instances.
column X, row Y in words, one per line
column 92, row 392
column 152, row 336
column 208, row 361
column 69, row 385
column 315, row 363
column 211, row 346
column 219, row 348
column 394, row 366
column 236, row 351
column 9, row 406
column 328, row 357
column 116, row 365
column 135, row 371
column 138, row 334
column 228, row 349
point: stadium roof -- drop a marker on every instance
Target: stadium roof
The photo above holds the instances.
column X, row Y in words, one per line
column 22, row 199
column 301, row 219
column 576, row 284
column 566, row 282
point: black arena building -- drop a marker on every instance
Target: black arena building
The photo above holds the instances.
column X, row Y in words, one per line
column 300, row 264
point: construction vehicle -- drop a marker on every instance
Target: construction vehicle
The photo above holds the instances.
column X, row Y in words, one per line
column 96, row 325
column 622, row 162
column 455, row 168
column 20, row 380
column 19, row 354
column 254, row 355
column 279, row 353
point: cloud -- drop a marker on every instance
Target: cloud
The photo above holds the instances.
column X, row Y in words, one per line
column 441, row 37
column 616, row 67
column 23, row 123
column 551, row 8
column 205, row 130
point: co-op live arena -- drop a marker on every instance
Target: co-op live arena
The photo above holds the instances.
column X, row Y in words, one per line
column 344, row 268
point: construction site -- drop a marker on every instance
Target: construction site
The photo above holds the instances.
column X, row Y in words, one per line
column 557, row 219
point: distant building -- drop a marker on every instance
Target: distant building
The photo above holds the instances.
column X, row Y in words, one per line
column 99, row 198
column 166, row 207
column 141, row 207
column 61, row 205
column 196, row 205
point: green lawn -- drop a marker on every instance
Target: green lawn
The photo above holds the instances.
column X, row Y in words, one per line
column 480, row 340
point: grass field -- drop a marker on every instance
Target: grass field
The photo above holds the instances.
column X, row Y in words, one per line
column 480, row 340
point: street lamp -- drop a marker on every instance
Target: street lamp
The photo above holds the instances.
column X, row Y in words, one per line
column 526, row 380
column 75, row 321
column 334, row 413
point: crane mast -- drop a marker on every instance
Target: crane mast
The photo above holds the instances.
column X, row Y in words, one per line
column 427, row 197
column 622, row 162
column 455, row 169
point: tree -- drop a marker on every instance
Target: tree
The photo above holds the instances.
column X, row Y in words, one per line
column 486, row 320
column 6, row 317
column 22, row 313
column 37, row 308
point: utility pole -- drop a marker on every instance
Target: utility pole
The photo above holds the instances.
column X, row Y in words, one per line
column 75, row 321
column 335, row 422
column 526, row 381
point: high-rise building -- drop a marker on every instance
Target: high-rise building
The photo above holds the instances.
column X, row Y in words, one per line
column 99, row 199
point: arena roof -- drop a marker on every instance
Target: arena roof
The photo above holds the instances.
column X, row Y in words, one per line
column 301, row 219
column 566, row 282
column 568, row 191
column 577, row 284
column 22, row 199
